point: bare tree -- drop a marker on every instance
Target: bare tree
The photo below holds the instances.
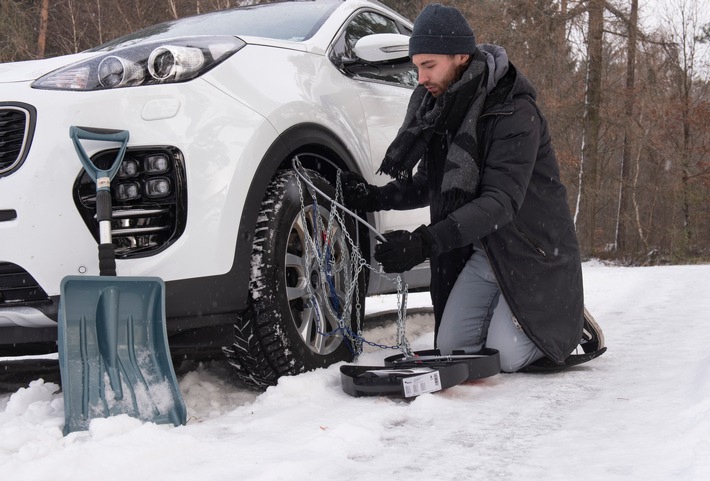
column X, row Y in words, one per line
column 623, row 215
column 588, row 178
column 173, row 8
column 42, row 31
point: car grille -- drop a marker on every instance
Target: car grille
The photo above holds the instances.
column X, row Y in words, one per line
column 18, row 286
column 16, row 130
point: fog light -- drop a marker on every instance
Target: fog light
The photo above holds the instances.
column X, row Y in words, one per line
column 156, row 164
column 127, row 191
column 157, row 187
column 129, row 168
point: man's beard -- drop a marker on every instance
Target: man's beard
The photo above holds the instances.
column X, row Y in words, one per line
column 452, row 76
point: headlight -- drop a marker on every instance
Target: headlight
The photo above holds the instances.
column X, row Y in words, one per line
column 176, row 60
column 118, row 72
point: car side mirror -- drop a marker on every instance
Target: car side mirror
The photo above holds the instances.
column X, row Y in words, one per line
column 382, row 47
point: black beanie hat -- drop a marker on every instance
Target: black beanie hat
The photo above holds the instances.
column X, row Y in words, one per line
column 441, row 30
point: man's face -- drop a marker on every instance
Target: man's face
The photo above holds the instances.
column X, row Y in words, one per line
column 437, row 72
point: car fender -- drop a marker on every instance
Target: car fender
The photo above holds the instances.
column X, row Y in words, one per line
column 232, row 288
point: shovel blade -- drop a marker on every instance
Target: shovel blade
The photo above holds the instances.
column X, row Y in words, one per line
column 114, row 356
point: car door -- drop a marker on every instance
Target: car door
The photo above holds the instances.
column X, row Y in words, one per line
column 384, row 92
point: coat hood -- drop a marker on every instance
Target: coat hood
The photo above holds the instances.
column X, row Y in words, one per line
column 504, row 72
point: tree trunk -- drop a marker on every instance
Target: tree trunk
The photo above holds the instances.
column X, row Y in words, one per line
column 590, row 148
column 98, row 22
column 685, row 163
column 624, row 218
column 173, row 8
column 42, row 34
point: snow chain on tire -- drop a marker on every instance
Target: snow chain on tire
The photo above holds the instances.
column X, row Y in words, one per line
column 266, row 344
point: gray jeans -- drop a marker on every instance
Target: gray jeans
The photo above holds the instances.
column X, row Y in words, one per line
column 477, row 316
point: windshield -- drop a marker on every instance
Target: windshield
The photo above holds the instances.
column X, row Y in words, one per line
column 296, row 21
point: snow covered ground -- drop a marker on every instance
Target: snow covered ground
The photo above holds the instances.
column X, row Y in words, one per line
column 640, row 412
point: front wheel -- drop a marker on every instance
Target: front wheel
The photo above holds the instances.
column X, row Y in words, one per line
column 304, row 297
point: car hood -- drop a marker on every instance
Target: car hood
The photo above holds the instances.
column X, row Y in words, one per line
column 33, row 69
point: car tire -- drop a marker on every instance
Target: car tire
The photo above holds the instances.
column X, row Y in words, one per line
column 288, row 328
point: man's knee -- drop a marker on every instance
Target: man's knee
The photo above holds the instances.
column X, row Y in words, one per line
column 513, row 358
column 511, row 363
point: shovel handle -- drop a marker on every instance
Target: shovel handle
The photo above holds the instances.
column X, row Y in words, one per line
column 102, row 178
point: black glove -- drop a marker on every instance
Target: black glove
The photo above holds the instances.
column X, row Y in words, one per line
column 404, row 250
column 358, row 194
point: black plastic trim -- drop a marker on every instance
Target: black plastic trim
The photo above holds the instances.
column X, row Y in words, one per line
column 7, row 215
column 11, row 335
column 30, row 128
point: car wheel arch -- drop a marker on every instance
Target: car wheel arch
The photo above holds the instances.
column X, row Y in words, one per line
column 232, row 287
column 313, row 140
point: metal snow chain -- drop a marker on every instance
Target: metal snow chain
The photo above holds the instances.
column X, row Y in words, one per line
column 357, row 261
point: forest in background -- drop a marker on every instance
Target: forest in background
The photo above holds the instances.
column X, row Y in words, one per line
column 628, row 100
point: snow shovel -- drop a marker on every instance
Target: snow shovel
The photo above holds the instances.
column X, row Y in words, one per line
column 113, row 348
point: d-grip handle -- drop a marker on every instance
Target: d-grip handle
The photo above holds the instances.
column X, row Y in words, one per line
column 103, row 135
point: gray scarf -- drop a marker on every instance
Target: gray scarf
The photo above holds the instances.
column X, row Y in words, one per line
column 457, row 110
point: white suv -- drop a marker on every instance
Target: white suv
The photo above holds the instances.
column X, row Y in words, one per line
column 217, row 106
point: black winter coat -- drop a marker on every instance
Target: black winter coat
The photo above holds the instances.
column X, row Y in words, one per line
column 520, row 217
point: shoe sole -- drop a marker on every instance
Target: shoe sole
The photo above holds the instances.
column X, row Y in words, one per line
column 592, row 332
